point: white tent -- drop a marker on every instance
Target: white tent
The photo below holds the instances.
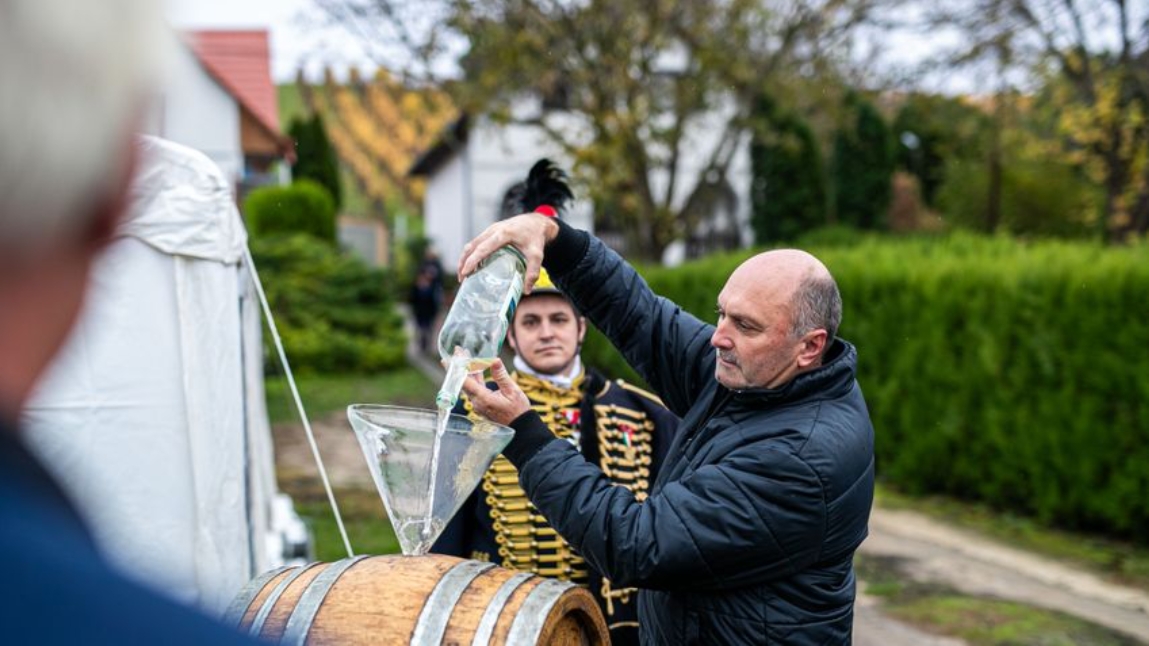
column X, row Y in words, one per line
column 153, row 417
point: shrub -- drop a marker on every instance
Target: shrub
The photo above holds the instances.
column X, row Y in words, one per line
column 932, row 131
column 303, row 207
column 315, row 158
column 1039, row 197
column 789, row 185
column 835, row 235
column 334, row 313
column 863, row 167
column 995, row 370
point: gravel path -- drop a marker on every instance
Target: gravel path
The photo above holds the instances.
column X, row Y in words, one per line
column 933, row 552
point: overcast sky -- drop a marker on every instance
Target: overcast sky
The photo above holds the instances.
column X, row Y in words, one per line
column 298, row 38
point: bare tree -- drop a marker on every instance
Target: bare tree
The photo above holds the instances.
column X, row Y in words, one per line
column 1092, row 57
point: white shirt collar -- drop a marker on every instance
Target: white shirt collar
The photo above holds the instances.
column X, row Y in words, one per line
column 561, row 381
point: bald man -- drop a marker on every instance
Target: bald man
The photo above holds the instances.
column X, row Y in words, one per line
column 749, row 532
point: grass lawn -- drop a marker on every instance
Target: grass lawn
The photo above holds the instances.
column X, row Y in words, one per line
column 980, row 621
column 1117, row 561
column 363, row 515
column 984, row 621
column 326, row 394
column 367, row 526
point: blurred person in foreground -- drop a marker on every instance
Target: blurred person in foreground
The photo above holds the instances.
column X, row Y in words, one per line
column 623, row 429
column 73, row 79
column 748, row 533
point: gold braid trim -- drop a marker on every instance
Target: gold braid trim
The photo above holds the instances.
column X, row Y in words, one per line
column 624, row 442
column 526, row 541
column 640, row 391
column 625, row 445
column 525, row 538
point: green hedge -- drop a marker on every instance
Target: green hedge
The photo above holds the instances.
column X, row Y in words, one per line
column 995, row 370
column 334, row 313
column 303, row 207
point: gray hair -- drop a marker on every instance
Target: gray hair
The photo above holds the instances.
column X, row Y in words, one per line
column 73, row 80
column 817, row 305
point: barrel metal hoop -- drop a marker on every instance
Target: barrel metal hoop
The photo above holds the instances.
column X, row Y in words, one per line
column 273, row 598
column 240, row 603
column 528, row 623
column 299, row 623
column 432, row 624
column 495, row 608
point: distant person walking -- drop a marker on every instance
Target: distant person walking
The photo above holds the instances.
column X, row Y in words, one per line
column 432, row 266
column 425, row 298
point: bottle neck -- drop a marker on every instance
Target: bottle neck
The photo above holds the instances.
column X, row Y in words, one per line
column 513, row 251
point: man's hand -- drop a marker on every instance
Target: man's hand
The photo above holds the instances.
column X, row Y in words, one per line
column 501, row 406
column 529, row 233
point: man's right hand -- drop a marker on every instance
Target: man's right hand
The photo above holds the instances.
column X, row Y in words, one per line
column 501, row 406
column 529, row 233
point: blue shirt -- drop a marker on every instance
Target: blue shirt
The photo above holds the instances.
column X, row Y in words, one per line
column 57, row 589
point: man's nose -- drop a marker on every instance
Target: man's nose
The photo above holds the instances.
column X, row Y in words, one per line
column 720, row 339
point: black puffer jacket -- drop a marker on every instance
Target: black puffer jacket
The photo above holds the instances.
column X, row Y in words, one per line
column 749, row 534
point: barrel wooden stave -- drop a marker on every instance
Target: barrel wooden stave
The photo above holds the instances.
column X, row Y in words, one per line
column 381, row 600
column 276, row 622
column 474, row 602
column 380, row 604
column 576, row 616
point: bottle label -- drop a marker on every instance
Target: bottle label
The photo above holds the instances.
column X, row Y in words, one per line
column 513, row 296
column 511, row 310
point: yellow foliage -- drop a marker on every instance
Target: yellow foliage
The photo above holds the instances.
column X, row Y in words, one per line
column 1107, row 127
column 378, row 129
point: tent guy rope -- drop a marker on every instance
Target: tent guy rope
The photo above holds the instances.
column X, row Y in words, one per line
column 297, row 399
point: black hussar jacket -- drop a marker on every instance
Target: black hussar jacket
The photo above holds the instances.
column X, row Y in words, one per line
column 623, row 429
column 749, row 531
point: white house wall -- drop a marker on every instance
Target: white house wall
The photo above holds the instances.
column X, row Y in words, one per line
column 444, row 210
column 465, row 194
column 194, row 110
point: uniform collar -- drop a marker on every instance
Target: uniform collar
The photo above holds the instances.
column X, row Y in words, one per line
column 559, row 381
column 831, row 379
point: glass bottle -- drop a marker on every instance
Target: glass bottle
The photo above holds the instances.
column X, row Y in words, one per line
column 475, row 326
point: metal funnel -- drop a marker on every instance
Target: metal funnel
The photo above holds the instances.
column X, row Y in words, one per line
column 397, row 443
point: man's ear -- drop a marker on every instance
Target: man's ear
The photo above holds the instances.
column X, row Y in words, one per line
column 511, row 338
column 812, row 345
column 581, row 329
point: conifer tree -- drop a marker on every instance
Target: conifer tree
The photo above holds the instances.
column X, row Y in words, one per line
column 789, row 184
column 315, row 159
column 863, row 167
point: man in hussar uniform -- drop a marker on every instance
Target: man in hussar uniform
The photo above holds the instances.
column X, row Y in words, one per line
column 620, row 427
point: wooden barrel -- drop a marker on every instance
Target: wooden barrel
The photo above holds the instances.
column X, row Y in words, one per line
column 423, row 600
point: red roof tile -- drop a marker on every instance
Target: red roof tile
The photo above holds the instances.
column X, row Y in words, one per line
column 241, row 62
